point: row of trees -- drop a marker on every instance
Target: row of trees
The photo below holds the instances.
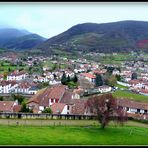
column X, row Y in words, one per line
column 71, row 82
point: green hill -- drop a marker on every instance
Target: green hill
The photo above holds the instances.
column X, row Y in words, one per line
column 122, row 36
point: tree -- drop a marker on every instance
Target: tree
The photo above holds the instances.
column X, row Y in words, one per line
column 5, row 74
column 19, row 98
column 24, row 108
column 106, row 109
column 68, row 78
column 134, row 76
column 1, row 98
column 64, row 79
column 9, row 69
column 112, row 80
column 118, row 77
column 47, row 110
column 75, row 78
column 98, row 80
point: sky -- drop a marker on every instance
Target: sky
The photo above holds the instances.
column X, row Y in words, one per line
column 52, row 18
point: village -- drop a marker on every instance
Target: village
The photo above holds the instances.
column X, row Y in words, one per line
column 44, row 87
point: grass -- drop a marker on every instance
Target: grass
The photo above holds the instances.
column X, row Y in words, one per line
column 128, row 134
column 121, row 86
column 130, row 95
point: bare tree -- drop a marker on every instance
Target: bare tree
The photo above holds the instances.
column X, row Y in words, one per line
column 106, row 108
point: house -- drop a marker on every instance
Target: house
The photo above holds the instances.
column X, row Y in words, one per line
column 41, row 79
column 46, row 97
column 90, row 77
column 7, row 86
column 101, row 72
column 52, row 95
column 104, row 89
column 33, row 90
column 133, row 106
column 8, row 106
column 17, row 75
column 23, row 88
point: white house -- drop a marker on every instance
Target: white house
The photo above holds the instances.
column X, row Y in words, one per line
column 104, row 88
column 88, row 76
column 17, row 75
column 7, row 86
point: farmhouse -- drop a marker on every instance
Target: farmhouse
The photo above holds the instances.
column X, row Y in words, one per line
column 49, row 96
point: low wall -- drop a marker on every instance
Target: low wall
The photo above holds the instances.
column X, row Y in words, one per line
column 44, row 116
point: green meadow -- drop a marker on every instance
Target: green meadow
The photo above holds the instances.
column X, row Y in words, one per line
column 132, row 133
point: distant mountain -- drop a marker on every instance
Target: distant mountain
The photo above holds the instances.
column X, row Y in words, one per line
column 11, row 38
column 122, row 36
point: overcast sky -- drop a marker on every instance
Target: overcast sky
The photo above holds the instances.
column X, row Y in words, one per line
column 51, row 18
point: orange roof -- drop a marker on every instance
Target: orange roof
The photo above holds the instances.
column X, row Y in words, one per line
column 57, row 107
column 89, row 75
column 6, row 106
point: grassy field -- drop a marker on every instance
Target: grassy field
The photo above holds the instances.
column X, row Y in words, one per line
column 133, row 96
column 121, row 86
column 129, row 134
column 4, row 66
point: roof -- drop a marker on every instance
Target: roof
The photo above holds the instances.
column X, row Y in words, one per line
column 89, row 75
column 17, row 73
column 6, row 106
column 67, row 98
column 57, row 107
column 42, row 97
column 97, row 71
column 132, row 104
column 16, row 108
column 79, row 106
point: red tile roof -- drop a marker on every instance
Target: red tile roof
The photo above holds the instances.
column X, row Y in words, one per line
column 57, row 107
column 17, row 108
column 6, row 106
column 79, row 106
column 43, row 96
column 132, row 104
column 89, row 75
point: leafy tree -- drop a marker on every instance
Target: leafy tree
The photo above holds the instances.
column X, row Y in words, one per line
column 19, row 98
column 75, row 78
column 9, row 69
column 112, row 80
column 110, row 69
column 118, row 77
column 98, row 80
column 24, row 108
column 72, row 85
column 5, row 74
column 47, row 110
column 134, row 76
column 106, row 109
column 1, row 98
column 64, row 79
column 68, row 78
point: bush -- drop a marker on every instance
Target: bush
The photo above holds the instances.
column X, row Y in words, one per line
column 47, row 110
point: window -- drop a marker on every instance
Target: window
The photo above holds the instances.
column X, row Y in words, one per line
column 51, row 100
column 67, row 107
column 56, row 100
